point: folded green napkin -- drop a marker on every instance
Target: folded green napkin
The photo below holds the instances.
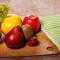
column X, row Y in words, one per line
column 51, row 26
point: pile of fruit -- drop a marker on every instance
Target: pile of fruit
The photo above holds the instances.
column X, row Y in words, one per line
column 16, row 32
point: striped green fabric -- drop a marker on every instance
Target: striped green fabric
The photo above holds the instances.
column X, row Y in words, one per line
column 51, row 26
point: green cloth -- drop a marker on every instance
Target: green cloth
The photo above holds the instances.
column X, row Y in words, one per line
column 51, row 26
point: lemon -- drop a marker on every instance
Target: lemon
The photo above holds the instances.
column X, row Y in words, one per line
column 10, row 22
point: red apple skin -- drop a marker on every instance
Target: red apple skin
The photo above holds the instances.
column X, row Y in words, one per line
column 15, row 39
column 33, row 21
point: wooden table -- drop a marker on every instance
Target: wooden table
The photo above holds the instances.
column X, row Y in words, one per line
column 48, row 57
column 36, row 7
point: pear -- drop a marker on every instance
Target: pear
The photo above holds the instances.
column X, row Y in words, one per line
column 15, row 38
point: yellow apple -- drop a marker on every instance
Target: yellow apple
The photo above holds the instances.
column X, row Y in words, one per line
column 10, row 22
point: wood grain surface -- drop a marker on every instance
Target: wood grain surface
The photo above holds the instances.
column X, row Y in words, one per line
column 44, row 48
column 39, row 8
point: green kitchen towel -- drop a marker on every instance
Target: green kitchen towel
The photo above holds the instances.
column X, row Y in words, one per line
column 51, row 26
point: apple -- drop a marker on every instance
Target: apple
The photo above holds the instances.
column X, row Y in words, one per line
column 15, row 38
column 10, row 22
column 33, row 21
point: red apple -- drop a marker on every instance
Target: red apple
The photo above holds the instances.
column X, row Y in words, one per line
column 15, row 38
column 33, row 21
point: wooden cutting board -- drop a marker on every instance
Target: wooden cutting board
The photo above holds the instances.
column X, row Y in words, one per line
column 44, row 48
